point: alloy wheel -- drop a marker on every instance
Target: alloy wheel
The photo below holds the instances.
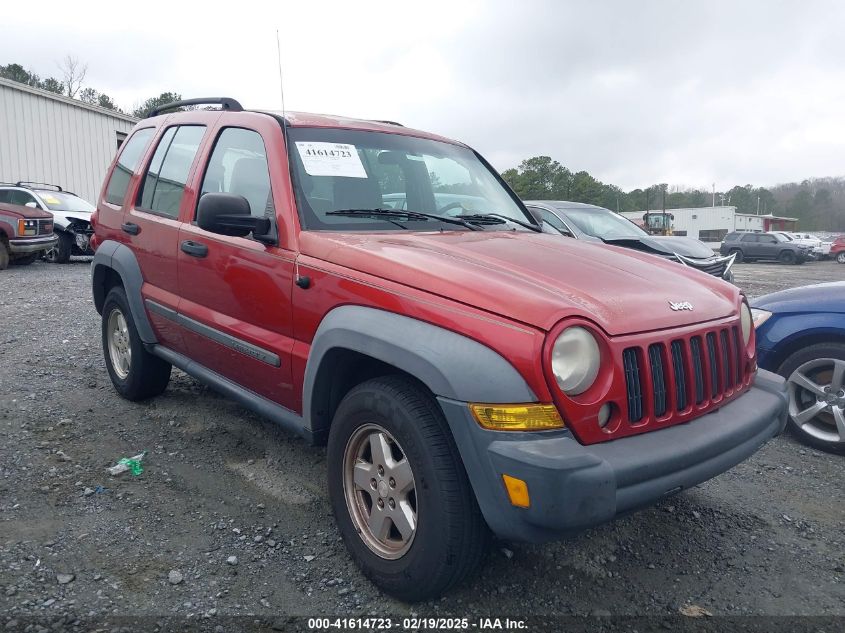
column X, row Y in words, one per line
column 120, row 350
column 817, row 398
column 380, row 491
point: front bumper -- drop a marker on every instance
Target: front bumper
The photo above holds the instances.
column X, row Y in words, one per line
column 573, row 486
column 29, row 245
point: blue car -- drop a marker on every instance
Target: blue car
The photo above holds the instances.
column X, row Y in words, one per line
column 801, row 336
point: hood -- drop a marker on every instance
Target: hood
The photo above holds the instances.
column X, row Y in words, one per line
column 666, row 245
column 533, row 278
column 67, row 216
column 829, row 297
column 20, row 211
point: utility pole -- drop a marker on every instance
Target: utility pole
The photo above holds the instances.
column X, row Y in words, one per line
column 645, row 219
column 714, row 195
column 758, row 205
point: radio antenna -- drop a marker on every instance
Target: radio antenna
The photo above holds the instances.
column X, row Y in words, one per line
column 281, row 82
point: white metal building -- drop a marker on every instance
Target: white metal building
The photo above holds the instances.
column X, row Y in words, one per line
column 711, row 224
column 46, row 137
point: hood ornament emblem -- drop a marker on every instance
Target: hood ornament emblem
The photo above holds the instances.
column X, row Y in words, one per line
column 680, row 305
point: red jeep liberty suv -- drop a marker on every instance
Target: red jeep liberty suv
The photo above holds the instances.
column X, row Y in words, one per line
column 469, row 373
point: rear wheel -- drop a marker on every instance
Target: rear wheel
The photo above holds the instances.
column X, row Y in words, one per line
column 739, row 256
column 401, row 497
column 816, row 381
column 786, row 257
column 840, row 257
column 60, row 253
column 134, row 372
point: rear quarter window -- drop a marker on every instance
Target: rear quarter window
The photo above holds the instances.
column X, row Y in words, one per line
column 127, row 163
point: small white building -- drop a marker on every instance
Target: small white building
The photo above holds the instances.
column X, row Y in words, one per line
column 50, row 138
column 711, row 224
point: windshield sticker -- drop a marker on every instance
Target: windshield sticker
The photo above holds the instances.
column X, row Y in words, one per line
column 331, row 159
column 50, row 200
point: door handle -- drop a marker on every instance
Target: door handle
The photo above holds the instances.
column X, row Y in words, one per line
column 194, row 249
column 131, row 228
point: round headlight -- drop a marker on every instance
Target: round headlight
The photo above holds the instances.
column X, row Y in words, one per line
column 575, row 360
column 746, row 322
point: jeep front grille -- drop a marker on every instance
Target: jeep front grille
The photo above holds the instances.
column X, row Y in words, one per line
column 663, row 379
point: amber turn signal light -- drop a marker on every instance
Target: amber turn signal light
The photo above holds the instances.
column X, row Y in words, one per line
column 517, row 417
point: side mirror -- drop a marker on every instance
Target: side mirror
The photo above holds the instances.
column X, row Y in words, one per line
column 229, row 214
column 32, row 205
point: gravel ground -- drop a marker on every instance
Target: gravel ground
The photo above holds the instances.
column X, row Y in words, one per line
column 231, row 516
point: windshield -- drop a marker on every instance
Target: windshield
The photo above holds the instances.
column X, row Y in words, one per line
column 63, row 201
column 782, row 237
column 337, row 170
column 603, row 223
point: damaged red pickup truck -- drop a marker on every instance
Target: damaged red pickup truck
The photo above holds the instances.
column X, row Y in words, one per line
column 468, row 373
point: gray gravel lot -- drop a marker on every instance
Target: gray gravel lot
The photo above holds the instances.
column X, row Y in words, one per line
column 218, row 482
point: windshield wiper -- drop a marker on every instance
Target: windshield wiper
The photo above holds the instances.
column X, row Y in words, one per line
column 397, row 213
column 502, row 218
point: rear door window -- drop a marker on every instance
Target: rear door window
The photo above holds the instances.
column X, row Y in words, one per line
column 127, row 163
column 164, row 182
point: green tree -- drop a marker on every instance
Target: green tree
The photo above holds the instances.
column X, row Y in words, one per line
column 16, row 72
column 53, row 85
column 105, row 101
column 89, row 96
column 154, row 102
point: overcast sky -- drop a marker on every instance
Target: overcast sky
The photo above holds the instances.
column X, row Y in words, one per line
column 635, row 92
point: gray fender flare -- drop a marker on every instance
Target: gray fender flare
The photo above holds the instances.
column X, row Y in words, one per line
column 449, row 364
column 120, row 258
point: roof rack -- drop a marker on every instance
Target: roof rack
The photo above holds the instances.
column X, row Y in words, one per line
column 387, row 122
column 27, row 183
column 225, row 103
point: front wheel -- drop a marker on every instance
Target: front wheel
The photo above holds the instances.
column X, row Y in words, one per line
column 739, row 256
column 787, row 257
column 60, row 253
column 4, row 255
column 399, row 492
column 135, row 373
column 816, row 382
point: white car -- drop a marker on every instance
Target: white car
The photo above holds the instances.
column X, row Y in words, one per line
column 805, row 239
column 71, row 217
column 822, row 247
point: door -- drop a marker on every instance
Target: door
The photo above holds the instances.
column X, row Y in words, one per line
column 236, row 291
column 768, row 246
column 152, row 226
column 750, row 246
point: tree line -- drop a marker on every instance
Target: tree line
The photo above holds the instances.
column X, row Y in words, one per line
column 818, row 203
column 70, row 84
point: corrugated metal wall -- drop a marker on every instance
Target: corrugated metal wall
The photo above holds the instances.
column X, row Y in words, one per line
column 50, row 138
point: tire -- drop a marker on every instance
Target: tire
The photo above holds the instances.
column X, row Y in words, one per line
column 4, row 255
column 141, row 375
column 840, row 257
column 740, row 256
column 787, row 257
column 60, row 253
column 26, row 260
column 826, row 429
column 450, row 542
